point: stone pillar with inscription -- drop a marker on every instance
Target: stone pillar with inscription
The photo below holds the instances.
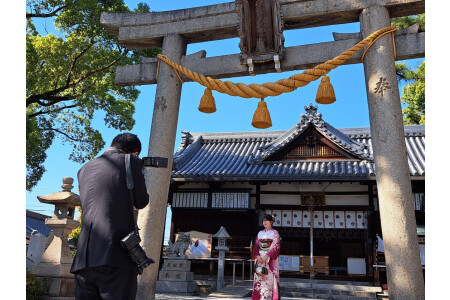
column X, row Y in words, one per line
column 175, row 277
column 162, row 141
column 398, row 221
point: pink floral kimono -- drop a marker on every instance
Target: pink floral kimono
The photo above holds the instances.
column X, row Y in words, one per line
column 266, row 287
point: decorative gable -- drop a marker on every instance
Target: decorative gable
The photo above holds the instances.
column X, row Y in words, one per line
column 312, row 139
column 311, row 145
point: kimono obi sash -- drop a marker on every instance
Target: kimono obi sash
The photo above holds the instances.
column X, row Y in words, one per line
column 264, row 245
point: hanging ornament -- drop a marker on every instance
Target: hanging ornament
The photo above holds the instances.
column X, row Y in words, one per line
column 207, row 103
column 261, row 117
column 325, row 92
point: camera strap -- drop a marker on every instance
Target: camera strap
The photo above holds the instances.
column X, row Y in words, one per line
column 130, row 187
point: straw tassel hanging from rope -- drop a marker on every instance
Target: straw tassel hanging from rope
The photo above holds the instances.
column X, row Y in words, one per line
column 261, row 117
column 207, row 103
column 325, row 92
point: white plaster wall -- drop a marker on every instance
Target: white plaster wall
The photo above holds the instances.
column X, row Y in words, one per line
column 346, row 200
column 305, row 187
column 280, row 199
column 293, row 187
column 346, row 187
column 238, row 185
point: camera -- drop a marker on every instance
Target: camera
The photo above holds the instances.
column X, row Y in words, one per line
column 155, row 161
column 138, row 255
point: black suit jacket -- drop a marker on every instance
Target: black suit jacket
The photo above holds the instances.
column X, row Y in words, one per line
column 106, row 210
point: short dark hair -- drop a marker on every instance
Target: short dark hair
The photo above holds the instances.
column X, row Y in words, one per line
column 268, row 218
column 127, row 142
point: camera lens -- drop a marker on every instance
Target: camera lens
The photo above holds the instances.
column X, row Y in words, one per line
column 140, row 257
column 147, row 262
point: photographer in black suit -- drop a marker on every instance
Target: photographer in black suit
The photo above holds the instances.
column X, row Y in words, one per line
column 103, row 268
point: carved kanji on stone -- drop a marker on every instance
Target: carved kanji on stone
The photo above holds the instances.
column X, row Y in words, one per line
column 160, row 103
column 382, row 86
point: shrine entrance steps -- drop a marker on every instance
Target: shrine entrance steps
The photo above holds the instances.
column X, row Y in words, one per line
column 327, row 289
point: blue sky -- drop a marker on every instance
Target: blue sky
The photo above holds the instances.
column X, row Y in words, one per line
column 233, row 113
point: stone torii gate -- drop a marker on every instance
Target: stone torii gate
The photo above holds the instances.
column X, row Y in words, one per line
column 173, row 30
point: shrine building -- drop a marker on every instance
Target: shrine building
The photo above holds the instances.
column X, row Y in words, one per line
column 233, row 179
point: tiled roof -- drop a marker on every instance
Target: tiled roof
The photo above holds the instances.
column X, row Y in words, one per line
column 36, row 221
column 239, row 156
column 313, row 118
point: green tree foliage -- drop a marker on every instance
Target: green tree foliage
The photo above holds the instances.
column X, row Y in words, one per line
column 407, row 21
column 34, row 291
column 413, row 95
column 75, row 234
column 70, row 76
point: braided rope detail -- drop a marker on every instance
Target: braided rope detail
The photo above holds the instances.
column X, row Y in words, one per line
column 290, row 84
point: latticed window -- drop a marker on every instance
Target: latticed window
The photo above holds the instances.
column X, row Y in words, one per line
column 311, row 145
column 307, row 151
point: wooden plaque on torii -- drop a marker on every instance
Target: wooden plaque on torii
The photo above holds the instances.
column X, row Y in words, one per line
column 260, row 30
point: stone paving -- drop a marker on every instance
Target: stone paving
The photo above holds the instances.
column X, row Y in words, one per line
column 242, row 290
column 179, row 297
column 227, row 293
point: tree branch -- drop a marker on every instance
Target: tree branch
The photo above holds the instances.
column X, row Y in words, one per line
column 63, row 133
column 55, row 99
column 95, row 71
column 69, row 74
column 52, row 94
column 51, row 111
column 46, row 15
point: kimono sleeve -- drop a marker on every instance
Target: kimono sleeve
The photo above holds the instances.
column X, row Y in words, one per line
column 256, row 248
column 274, row 249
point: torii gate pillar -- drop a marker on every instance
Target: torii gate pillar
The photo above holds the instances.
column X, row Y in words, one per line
column 162, row 141
column 404, row 272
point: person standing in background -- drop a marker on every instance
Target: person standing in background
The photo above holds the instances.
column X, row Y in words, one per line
column 265, row 253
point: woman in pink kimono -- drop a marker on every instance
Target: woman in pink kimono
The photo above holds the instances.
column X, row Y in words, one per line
column 265, row 253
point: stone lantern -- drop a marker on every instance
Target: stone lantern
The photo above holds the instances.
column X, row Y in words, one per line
column 54, row 268
column 222, row 236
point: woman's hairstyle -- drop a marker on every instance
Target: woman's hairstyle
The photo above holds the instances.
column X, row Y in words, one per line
column 268, row 217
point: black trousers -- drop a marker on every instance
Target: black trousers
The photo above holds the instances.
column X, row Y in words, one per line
column 105, row 283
